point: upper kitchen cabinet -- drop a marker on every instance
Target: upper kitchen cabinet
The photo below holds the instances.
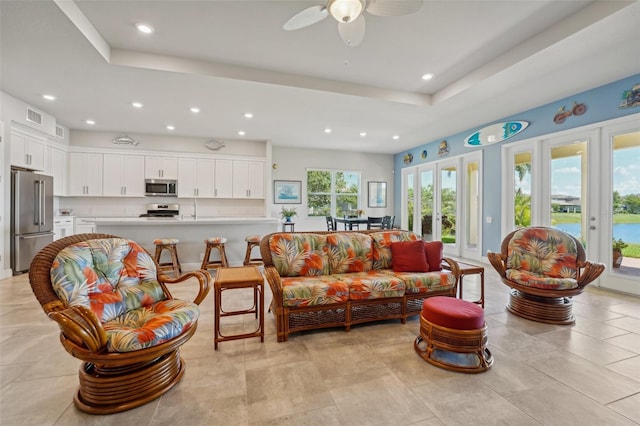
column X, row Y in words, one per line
column 158, row 167
column 123, row 175
column 195, row 177
column 85, row 174
column 27, row 151
column 57, row 167
column 248, row 179
column 222, row 179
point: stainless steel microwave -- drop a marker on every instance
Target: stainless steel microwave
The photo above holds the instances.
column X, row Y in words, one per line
column 161, row 188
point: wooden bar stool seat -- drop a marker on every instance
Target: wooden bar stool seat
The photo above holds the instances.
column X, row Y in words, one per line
column 216, row 243
column 252, row 242
column 168, row 244
column 453, row 335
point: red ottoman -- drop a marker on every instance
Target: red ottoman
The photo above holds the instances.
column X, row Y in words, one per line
column 453, row 335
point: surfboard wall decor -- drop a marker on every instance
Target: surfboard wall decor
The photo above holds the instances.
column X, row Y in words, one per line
column 495, row 133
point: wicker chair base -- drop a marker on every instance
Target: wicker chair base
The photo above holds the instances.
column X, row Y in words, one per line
column 550, row 310
column 106, row 390
column 464, row 351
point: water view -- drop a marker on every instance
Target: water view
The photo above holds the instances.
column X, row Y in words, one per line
column 627, row 232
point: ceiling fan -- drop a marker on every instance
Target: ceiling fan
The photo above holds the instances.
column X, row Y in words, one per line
column 349, row 14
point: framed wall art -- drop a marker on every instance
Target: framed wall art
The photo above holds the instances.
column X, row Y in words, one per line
column 377, row 194
column 287, row 192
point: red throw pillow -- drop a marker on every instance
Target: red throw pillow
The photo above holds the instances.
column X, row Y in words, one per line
column 433, row 252
column 408, row 256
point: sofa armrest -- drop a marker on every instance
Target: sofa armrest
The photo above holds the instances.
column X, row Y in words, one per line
column 81, row 326
column 273, row 278
column 204, row 281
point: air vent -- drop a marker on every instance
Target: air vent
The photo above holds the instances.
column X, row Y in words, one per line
column 33, row 116
column 59, row 132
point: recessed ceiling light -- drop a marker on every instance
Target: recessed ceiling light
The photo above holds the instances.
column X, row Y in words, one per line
column 363, row 134
column 137, row 104
column 49, row 97
column 327, row 130
column 248, row 115
column 145, row 28
column 241, row 132
column 194, row 110
column 396, row 137
column 171, row 127
column 90, row 122
column 427, row 76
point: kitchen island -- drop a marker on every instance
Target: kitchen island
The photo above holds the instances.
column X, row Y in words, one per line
column 191, row 232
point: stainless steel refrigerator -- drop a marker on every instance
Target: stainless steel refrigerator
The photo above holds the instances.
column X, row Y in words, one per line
column 31, row 217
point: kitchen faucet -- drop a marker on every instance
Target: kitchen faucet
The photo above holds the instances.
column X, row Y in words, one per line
column 195, row 208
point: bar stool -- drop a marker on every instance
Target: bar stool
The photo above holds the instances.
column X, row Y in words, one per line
column 214, row 243
column 168, row 244
column 252, row 241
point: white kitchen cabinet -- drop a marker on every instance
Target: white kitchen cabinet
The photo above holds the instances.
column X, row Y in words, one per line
column 160, row 167
column 123, row 175
column 27, row 151
column 248, row 179
column 85, row 174
column 195, row 177
column 85, row 225
column 57, row 167
column 223, row 179
column 62, row 227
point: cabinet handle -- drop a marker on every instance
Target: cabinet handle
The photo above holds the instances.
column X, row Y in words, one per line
column 215, row 192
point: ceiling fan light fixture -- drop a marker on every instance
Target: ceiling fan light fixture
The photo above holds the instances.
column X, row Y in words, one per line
column 345, row 10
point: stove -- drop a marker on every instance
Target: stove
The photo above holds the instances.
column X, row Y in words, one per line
column 162, row 210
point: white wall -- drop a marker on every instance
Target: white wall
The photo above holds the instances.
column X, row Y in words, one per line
column 292, row 164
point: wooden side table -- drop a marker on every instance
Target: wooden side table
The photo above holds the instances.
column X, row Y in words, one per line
column 469, row 269
column 234, row 278
column 290, row 225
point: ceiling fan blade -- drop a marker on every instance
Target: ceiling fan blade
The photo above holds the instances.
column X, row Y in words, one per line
column 393, row 7
column 305, row 18
column 352, row 33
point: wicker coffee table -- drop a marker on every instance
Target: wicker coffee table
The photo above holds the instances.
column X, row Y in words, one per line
column 235, row 278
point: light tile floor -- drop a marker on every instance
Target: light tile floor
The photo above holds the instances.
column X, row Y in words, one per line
column 585, row 374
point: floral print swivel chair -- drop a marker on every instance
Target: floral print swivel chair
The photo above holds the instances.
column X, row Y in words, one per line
column 116, row 314
column 545, row 268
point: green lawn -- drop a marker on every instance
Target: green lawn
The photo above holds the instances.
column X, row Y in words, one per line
column 575, row 218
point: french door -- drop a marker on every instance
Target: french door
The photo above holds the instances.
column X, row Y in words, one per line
column 585, row 183
column 442, row 201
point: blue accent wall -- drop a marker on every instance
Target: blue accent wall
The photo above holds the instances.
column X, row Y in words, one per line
column 602, row 105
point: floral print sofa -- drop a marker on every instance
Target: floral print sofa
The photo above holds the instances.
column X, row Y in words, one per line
column 331, row 279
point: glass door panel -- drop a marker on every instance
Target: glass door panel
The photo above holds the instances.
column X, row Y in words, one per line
column 408, row 208
column 624, row 223
column 568, row 189
column 522, row 189
column 426, row 204
column 446, row 214
column 472, row 203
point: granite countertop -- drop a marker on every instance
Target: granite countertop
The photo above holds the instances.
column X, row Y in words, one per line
column 206, row 220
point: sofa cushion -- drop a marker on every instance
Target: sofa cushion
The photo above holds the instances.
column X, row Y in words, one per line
column 434, row 253
column 315, row 290
column 425, row 282
column 530, row 279
column 149, row 326
column 349, row 253
column 372, row 285
column 408, row 256
column 111, row 276
column 543, row 252
column 299, row 254
column 382, row 246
